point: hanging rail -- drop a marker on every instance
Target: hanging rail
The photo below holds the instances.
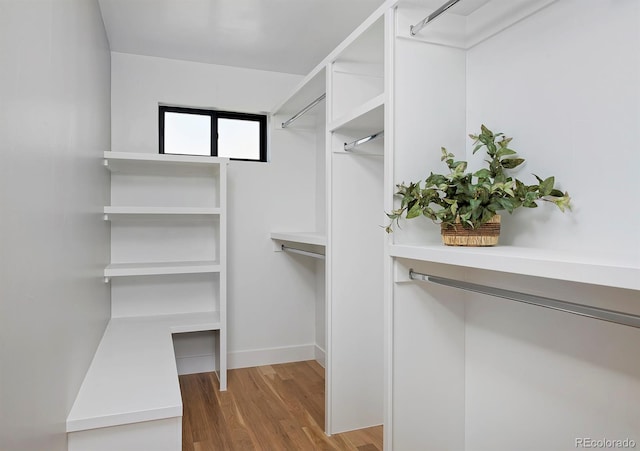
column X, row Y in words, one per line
column 301, row 252
column 414, row 29
column 357, row 142
column 555, row 304
column 285, row 124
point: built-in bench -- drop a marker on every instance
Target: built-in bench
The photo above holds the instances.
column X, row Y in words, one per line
column 130, row 397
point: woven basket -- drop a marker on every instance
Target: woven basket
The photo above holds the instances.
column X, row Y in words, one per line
column 485, row 235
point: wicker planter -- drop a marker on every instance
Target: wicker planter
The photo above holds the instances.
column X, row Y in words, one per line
column 485, row 235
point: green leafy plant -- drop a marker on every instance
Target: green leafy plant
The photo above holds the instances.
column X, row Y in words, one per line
column 472, row 199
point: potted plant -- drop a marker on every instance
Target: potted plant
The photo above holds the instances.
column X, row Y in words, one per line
column 466, row 204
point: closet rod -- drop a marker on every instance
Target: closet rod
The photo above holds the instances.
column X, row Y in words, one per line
column 555, row 304
column 414, row 29
column 301, row 252
column 357, row 142
column 304, row 110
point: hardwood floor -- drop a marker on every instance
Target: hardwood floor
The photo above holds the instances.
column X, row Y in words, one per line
column 270, row 408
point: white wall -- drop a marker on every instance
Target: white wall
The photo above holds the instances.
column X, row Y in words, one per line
column 54, row 126
column 538, row 379
column 570, row 98
column 271, row 295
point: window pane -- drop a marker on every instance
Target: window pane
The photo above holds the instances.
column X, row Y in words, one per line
column 239, row 138
column 187, row 134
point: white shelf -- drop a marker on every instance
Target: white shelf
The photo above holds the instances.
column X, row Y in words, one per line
column 574, row 267
column 133, row 375
column 160, row 211
column 311, row 238
column 162, row 268
column 466, row 24
column 365, row 118
column 162, row 164
column 312, row 87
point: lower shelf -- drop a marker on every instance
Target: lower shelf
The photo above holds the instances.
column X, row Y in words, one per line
column 133, row 375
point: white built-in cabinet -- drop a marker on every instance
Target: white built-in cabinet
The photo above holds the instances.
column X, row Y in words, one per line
column 478, row 372
column 462, row 370
column 168, row 235
column 349, row 198
column 168, row 277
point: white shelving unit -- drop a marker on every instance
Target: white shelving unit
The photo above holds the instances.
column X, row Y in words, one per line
column 355, row 181
column 168, row 222
column 477, row 368
column 156, row 178
column 353, row 78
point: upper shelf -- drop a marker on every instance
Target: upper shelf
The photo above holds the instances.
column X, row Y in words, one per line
column 467, row 23
column 350, row 50
column 311, row 88
column 365, row 118
column 161, row 164
column 570, row 266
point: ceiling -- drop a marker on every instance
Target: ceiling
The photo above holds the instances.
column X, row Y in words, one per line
column 290, row 36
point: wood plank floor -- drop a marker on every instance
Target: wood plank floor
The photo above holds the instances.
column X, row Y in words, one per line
column 270, row 408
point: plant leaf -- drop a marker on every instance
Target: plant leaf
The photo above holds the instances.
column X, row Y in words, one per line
column 510, row 163
column 546, row 186
column 482, row 173
column 414, row 211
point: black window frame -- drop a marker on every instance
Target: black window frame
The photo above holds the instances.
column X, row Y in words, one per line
column 214, row 116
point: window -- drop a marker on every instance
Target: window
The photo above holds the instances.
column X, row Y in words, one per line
column 191, row 131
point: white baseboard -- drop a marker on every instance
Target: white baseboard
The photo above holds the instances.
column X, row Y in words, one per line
column 196, row 364
column 320, row 356
column 255, row 357
column 270, row 356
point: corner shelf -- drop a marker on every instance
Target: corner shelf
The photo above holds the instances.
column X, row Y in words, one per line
column 570, row 266
column 148, row 390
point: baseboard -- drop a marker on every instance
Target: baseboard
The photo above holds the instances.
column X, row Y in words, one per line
column 320, row 356
column 196, row 364
column 255, row 357
column 270, row 356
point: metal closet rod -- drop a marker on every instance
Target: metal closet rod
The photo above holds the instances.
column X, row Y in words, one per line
column 357, row 142
column 414, row 29
column 301, row 252
column 555, row 304
column 285, row 124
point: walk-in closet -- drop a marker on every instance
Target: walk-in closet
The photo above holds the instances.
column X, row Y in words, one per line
column 200, row 240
